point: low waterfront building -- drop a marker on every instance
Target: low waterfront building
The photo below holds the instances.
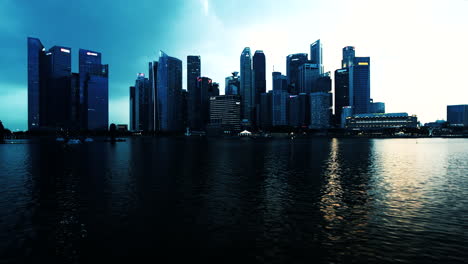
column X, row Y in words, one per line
column 381, row 121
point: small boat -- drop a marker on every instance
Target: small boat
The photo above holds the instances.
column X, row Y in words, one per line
column 89, row 140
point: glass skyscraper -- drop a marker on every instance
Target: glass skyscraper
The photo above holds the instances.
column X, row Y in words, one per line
column 259, row 69
column 142, row 107
column 293, row 62
column 193, row 100
column 280, row 100
column 316, row 55
column 246, row 85
column 359, row 85
column 36, row 82
column 94, row 90
column 308, row 75
column 348, row 57
column 169, row 94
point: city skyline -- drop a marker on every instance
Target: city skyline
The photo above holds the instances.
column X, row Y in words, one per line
column 409, row 91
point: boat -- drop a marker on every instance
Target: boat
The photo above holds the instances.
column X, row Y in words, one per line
column 89, row 140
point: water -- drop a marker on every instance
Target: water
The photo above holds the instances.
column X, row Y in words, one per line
column 232, row 200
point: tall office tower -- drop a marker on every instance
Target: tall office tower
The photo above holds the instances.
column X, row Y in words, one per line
column 169, row 93
column 193, row 73
column 341, row 92
column 153, row 79
column 316, row 55
column 348, row 57
column 320, row 110
column 232, row 86
column 133, row 110
column 36, row 83
column 259, row 69
column 266, row 100
column 308, row 75
column 200, row 103
column 280, row 100
column 58, row 88
column 94, row 86
column 142, row 103
column 457, row 115
column 294, row 111
column 246, row 85
column 359, row 85
column 293, row 62
column 225, row 112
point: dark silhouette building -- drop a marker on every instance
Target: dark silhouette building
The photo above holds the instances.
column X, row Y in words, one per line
column 359, row 85
column 169, row 94
column 58, row 99
column 247, row 90
column 94, row 91
column 293, row 62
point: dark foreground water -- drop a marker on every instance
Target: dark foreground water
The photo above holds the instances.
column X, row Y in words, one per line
column 232, row 200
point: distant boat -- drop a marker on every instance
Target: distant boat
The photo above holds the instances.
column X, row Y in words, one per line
column 89, row 140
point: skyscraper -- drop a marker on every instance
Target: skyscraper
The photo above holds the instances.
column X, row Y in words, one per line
column 58, row 99
column 320, row 110
column 246, row 85
column 132, row 105
column 36, row 82
column 94, row 91
column 348, row 57
column 308, row 75
column 200, row 103
column 266, row 100
column 142, row 106
column 293, row 62
column 153, row 79
column 259, row 70
column 193, row 73
column 359, row 85
column 232, row 86
column 316, row 55
column 225, row 112
column 169, row 93
column 58, row 88
column 279, row 115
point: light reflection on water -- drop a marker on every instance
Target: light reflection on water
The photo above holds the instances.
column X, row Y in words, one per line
column 323, row 200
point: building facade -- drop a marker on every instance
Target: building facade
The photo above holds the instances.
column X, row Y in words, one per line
column 457, row 115
column 316, row 55
column 169, row 94
column 359, row 85
column 232, row 86
column 381, row 121
column 293, row 62
column 225, row 112
column 320, row 110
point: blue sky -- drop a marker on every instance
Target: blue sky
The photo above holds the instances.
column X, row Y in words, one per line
column 418, row 48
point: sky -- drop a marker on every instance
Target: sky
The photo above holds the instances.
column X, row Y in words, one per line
column 418, row 48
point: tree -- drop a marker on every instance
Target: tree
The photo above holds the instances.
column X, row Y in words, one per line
column 2, row 131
